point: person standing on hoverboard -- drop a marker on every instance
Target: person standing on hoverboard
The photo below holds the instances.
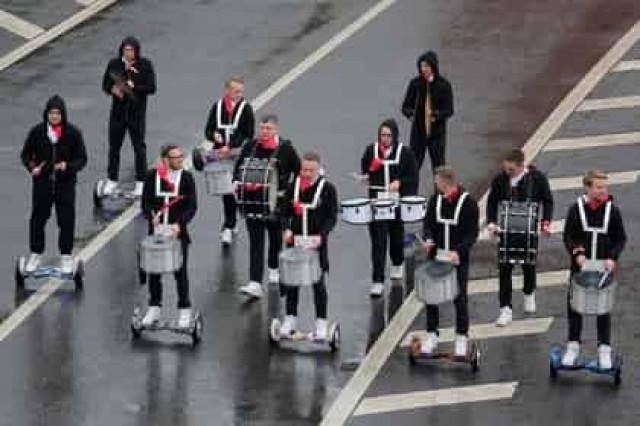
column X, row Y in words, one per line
column 230, row 123
column 318, row 197
column 594, row 213
column 53, row 153
column 169, row 177
column 129, row 79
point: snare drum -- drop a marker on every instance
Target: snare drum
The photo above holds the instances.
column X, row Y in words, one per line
column 299, row 267
column 160, row 254
column 592, row 292
column 356, row 211
column 413, row 208
column 518, row 223
column 219, row 178
column 257, row 193
column 383, row 209
column 436, row 282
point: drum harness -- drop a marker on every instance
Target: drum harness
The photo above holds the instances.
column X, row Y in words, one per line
column 229, row 128
column 594, row 234
column 307, row 206
column 449, row 222
column 167, row 195
column 386, row 163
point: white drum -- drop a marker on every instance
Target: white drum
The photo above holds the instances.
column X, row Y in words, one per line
column 160, row 254
column 436, row 282
column 383, row 209
column 413, row 208
column 299, row 267
column 592, row 292
column 219, row 178
column 356, row 211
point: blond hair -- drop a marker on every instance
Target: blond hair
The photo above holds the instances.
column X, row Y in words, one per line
column 593, row 175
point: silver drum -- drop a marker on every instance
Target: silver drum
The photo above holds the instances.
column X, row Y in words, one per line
column 592, row 292
column 436, row 282
column 160, row 254
column 383, row 209
column 413, row 208
column 299, row 266
column 219, row 177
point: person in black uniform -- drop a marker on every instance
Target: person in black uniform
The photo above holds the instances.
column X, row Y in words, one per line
column 270, row 146
column 229, row 125
column 428, row 103
column 402, row 174
column 129, row 79
column 451, row 203
column 169, row 177
column 319, row 198
column 53, row 154
column 518, row 182
column 594, row 212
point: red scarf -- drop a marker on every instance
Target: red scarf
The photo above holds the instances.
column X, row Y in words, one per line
column 228, row 106
column 305, row 183
column 595, row 203
column 453, row 195
column 57, row 130
column 268, row 142
column 377, row 162
column 163, row 174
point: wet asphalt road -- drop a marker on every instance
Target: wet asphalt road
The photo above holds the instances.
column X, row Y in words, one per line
column 73, row 361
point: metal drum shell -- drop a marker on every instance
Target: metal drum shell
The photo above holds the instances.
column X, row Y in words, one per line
column 413, row 208
column 383, row 209
column 261, row 203
column 160, row 254
column 591, row 300
column 299, row 267
column 356, row 211
column 436, row 282
column 219, row 178
column 518, row 235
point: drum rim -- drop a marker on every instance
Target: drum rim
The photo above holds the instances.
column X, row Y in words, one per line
column 355, row 202
column 383, row 203
column 413, row 199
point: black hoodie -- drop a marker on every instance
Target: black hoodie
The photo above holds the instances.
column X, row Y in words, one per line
column 406, row 171
column 38, row 148
column 132, row 105
column 441, row 99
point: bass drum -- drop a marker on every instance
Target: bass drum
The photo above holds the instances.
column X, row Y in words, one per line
column 518, row 223
column 257, row 192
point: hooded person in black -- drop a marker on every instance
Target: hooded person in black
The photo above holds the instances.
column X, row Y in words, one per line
column 53, row 154
column 388, row 153
column 428, row 103
column 129, row 79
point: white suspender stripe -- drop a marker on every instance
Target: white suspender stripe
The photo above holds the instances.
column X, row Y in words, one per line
column 230, row 127
column 594, row 231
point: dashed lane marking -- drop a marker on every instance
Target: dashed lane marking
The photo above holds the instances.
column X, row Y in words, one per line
column 609, row 103
column 573, row 182
column 600, row 141
column 19, row 26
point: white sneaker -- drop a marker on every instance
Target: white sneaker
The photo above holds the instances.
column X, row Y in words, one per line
column 252, row 289
column 376, row 290
column 430, row 344
column 530, row 303
column 66, row 264
column 321, row 329
column 460, row 349
column 137, row 191
column 505, row 318
column 152, row 315
column 397, row 272
column 288, row 326
column 32, row 263
column 226, row 236
column 184, row 318
column 109, row 187
column 604, row 357
column 571, row 353
column 274, row 276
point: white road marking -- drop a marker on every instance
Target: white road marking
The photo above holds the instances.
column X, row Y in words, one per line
column 85, row 2
column 523, row 327
column 609, row 103
column 436, row 398
column 627, row 66
column 543, row 280
column 54, row 32
column 573, row 182
column 600, row 141
column 19, row 26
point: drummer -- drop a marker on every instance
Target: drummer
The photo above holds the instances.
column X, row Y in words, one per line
column 230, row 123
column 451, row 207
column 391, row 172
column 518, row 182
column 597, row 211
column 268, row 145
column 169, row 177
column 318, row 197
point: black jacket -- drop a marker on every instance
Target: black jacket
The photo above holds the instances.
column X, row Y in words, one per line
column 609, row 245
column 131, row 106
column 406, row 171
column 534, row 183
column 441, row 99
column 461, row 237
column 285, row 156
column 181, row 212
column 38, row 148
column 242, row 133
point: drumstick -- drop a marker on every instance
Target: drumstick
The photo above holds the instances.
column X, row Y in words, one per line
column 603, row 279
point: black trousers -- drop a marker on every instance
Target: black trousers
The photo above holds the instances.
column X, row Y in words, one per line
column 182, row 283
column 506, row 285
column 435, row 144
column 603, row 325
column 380, row 232
column 117, row 128
column 319, row 299
column 460, row 303
column 44, row 196
column 256, row 229
column 230, row 209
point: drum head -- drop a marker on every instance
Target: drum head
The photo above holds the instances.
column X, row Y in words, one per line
column 383, row 203
column 437, row 269
column 592, row 279
column 355, row 202
column 413, row 199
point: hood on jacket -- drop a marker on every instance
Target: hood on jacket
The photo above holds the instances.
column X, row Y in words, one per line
column 130, row 41
column 55, row 102
column 430, row 58
column 392, row 125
